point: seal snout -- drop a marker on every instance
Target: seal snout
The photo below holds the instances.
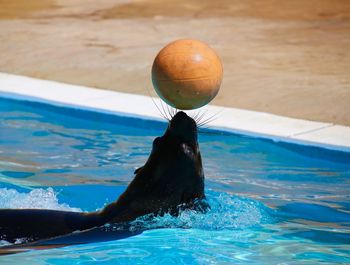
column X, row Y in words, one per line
column 184, row 127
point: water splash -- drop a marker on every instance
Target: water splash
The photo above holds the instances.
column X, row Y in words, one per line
column 228, row 212
column 35, row 199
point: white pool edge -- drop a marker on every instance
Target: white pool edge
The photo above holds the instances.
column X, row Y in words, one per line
column 251, row 123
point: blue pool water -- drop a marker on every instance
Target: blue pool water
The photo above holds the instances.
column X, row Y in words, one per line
column 271, row 203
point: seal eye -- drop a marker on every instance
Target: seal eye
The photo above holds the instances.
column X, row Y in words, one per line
column 188, row 150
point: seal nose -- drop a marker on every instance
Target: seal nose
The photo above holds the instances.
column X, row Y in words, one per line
column 180, row 115
column 183, row 126
column 182, row 118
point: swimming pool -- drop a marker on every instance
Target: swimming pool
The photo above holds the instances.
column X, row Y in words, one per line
column 272, row 202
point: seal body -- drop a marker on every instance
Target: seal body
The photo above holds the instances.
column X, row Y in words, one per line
column 172, row 179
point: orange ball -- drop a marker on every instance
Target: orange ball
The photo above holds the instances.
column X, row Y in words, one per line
column 187, row 74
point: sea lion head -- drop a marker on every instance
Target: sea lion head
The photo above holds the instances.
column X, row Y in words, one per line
column 184, row 128
column 171, row 179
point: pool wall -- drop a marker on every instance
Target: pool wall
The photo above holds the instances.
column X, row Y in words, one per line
column 139, row 108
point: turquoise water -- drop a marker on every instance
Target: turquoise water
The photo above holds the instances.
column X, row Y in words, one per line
column 271, row 203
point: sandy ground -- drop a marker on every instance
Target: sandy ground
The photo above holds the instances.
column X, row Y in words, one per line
column 290, row 58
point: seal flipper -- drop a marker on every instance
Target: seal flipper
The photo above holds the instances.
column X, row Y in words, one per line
column 97, row 234
column 35, row 224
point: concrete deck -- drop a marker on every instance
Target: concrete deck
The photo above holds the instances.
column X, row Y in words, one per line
column 288, row 58
column 258, row 124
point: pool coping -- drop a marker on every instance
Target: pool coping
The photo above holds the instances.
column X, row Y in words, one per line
column 252, row 123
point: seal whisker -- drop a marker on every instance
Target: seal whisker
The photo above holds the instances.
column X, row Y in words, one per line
column 154, row 102
column 207, row 121
column 195, row 116
column 161, row 103
column 210, row 119
column 174, row 111
column 170, row 110
column 202, row 116
column 160, row 110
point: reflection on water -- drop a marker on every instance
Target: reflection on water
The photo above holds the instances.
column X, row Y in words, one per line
column 271, row 202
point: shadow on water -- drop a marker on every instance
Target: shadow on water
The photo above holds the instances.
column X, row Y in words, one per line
column 95, row 235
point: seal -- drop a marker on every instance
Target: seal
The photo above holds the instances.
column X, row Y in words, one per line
column 172, row 179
